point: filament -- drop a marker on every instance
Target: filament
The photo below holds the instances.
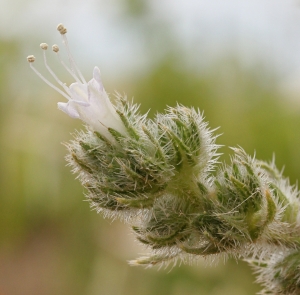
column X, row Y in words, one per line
column 48, row 82
column 71, row 59
column 68, row 69
column 54, row 76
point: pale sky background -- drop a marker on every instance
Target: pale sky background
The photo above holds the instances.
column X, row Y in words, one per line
column 255, row 31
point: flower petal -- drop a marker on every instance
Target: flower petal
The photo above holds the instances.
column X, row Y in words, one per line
column 79, row 92
column 97, row 77
column 68, row 109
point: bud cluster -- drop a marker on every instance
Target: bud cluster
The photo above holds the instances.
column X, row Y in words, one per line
column 151, row 159
column 161, row 177
column 158, row 176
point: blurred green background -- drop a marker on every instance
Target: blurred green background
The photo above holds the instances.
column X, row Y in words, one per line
column 50, row 240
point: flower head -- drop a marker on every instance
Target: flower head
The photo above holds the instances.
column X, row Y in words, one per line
column 87, row 101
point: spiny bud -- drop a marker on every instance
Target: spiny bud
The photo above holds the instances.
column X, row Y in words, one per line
column 280, row 273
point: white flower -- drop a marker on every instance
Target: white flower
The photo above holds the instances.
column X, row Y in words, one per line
column 87, row 101
column 90, row 103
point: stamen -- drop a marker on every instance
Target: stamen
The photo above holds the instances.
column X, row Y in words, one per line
column 44, row 46
column 31, row 59
column 61, row 28
column 55, row 48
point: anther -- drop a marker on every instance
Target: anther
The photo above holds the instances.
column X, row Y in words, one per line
column 61, row 28
column 55, row 48
column 44, row 46
column 30, row 58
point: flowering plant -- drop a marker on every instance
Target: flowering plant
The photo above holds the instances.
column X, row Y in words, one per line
column 162, row 177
